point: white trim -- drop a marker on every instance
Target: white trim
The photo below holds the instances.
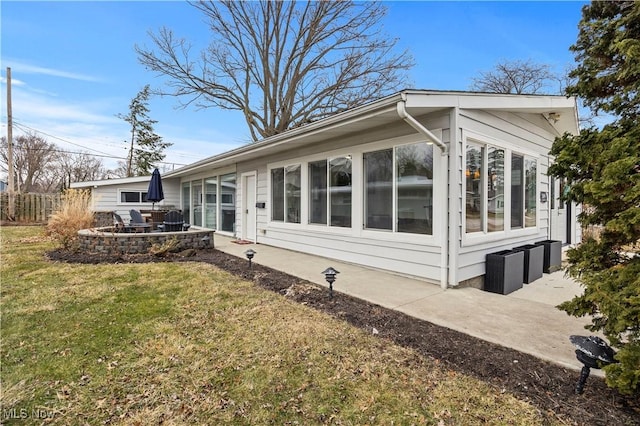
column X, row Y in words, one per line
column 483, row 236
column 436, row 239
column 252, row 204
column 119, row 191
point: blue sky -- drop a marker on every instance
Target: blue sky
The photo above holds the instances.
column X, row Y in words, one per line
column 74, row 67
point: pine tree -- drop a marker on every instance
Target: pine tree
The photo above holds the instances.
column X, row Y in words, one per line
column 602, row 168
column 146, row 148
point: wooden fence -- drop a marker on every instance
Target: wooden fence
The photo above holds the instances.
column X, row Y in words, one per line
column 30, row 208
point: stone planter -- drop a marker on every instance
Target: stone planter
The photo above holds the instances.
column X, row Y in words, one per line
column 505, row 270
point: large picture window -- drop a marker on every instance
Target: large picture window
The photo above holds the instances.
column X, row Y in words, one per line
column 285, row 194
column 400, row 177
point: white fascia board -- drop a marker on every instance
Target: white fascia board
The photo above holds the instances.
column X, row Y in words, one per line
column 381, row 106
column 106, row 182
column 470, row 100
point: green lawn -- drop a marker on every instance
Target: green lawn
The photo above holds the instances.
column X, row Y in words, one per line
column 186, row 343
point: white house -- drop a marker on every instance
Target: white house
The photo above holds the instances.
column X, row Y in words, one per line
column 423, row 183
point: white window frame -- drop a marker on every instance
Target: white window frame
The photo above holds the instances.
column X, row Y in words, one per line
column 129, row 203
column 483, row 236
column 356, row 152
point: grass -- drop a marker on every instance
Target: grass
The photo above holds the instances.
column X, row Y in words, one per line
column 185, row 343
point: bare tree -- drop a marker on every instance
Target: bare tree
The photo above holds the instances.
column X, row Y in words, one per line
column 78, row 167
column 517, row 77
column 41, row 166
column 31, row 155
column 282, row 64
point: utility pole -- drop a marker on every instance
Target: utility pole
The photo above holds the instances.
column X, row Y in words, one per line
column 10, row 171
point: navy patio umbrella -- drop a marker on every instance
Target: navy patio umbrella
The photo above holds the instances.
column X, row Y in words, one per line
column 155, row 192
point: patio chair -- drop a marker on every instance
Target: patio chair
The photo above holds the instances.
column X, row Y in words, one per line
column 137, row 221
column 119, row 224
column 173, row 222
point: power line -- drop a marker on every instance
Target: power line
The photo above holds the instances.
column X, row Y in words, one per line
column 101, row 154
column 24, row 126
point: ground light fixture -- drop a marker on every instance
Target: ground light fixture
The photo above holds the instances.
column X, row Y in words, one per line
column 592, row 352
column 206, row 240
column 330, row 276
column 250, row 253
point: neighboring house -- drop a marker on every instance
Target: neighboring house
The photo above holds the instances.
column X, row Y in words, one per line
column 424, row 183
column 123, row 194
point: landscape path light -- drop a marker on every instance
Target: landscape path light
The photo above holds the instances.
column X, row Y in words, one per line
column 205, row 241
column 592, row 352
column 330, row 276
column 250, row 253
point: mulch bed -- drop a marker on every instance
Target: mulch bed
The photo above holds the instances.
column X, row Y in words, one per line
column 545, row 385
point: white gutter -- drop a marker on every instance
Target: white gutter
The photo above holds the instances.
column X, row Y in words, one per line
column 402, row 112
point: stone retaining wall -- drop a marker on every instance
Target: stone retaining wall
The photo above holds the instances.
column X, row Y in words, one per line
column 105, row 241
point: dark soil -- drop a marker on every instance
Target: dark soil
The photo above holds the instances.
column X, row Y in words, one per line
column 545, row 385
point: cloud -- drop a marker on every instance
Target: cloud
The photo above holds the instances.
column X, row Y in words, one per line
column 25, row 68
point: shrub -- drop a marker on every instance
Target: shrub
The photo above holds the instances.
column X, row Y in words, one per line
column 73, row 215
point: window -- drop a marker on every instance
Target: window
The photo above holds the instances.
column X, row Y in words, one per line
column 318, row 192
column 414, row 188
column 486, row 186
column 340, row 191
column 530, row 209
column 186, row 201
column 400, row 177
column 517, row 191
column 495, row 189
column 196, row 198
column 523, row 192
column 211, row 205
column 474, row 196
column 378, row 195
column 292, row 193
column 277, row 194
column 332, row 177
column 133, row 196
column 212, row 202
column 227, row 206
column 285, row 194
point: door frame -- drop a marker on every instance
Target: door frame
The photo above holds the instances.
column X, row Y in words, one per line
column 247, row 205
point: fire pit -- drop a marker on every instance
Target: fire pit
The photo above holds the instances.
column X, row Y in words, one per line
column 106, row 241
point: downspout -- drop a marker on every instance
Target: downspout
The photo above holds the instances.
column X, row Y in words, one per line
column 402, row 112
column 431, row 138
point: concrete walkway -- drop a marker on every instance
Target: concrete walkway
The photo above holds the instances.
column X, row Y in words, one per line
column 525, row 320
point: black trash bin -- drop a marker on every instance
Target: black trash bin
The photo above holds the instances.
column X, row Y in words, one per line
column 533, row 261
column 552, row 255
column 505, row 270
